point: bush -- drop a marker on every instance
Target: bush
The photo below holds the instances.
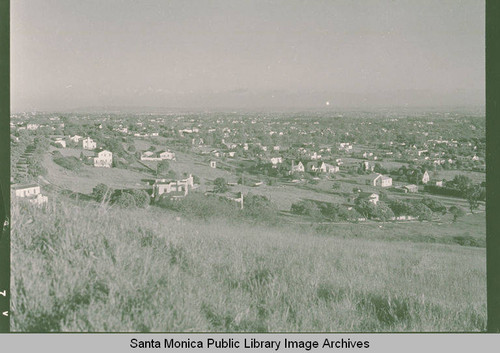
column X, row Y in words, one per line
column 457, row 212
column 71, row 163
column 434, row 205
column 141, row 198
column 220, row 185
column 125, row 200
column 306, row 208
column 200, row 206
column 259, row 209
column 102, row 192
column 163, row 167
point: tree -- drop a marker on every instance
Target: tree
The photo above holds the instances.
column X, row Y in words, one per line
column 162, row 167
column 434, row 205
column 102, row 192
column 457, row 212
column 473, row 195
column 306, row 208
column 366, row 208
column 125, row 200
column 421, row 211
column 401, row 208
column 141, row 198
column 383, row 212
column 461, row 182
column 220, row 185
column 131, row 148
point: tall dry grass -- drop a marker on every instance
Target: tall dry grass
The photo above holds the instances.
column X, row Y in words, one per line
column 92, row 267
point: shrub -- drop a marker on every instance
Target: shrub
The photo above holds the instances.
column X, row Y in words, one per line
column 306, row 208
column 125, row 200
column 71, row 163
column 162, row 168
column 102, row 192
column 259, row 209
column 457, row 212
column 220, row 185
column 141, row 198
column 434, row 205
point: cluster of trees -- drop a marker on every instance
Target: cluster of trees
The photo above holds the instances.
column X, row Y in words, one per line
column 257, row 208
column 325, row 210
column 423, row 209
column 123, row 198
column 461, row 186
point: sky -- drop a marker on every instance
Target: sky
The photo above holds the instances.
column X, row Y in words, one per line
column 68, row 54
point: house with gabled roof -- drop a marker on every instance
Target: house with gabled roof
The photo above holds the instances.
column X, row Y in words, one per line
column 89, row 144
column 104, row 159
column 379, row 180
column 426, row 177
column 297, row 168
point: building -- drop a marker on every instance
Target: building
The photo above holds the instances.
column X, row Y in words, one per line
column 31, row 192
column 426, row 177
column 213, row 164
column 367, row 166
column 89, row 144
column 371, row 197
column 175, row 189
column 167, row 155
column 104, row 159
column 60, row 142
column 297, row 168
column 411, row 188
column 76, row 138
column 27, row 190
column 329, row 168
column 379, row 180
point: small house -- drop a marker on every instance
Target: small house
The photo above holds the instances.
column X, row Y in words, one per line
column 425, row 177
column 411, row 188
column 89, row 144
column 379, row 180
column 104, row 159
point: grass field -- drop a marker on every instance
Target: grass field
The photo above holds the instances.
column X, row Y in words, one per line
column 88, row 267
column 88, row 177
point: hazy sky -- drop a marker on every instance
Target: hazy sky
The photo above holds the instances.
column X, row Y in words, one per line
column 246, row 54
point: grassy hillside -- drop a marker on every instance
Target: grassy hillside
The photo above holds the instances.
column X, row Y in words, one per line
column 86, row 267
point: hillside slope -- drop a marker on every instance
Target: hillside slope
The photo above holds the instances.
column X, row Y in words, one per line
column 86, row 267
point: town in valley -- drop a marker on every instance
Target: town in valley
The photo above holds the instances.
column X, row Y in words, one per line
column 310, row 167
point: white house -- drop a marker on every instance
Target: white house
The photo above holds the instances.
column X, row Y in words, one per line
column 426, row 177
column 299, row 167
column 371, row 197
column 28, row 190
column 213, row 164
column 89, row 144
column 61, row 142
column 76, row 138
column 380, row 180
column 177, row 188
column 329, row 168
column 276, row 160
column 167, row 155
column 104, row 159
column 31, row 192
